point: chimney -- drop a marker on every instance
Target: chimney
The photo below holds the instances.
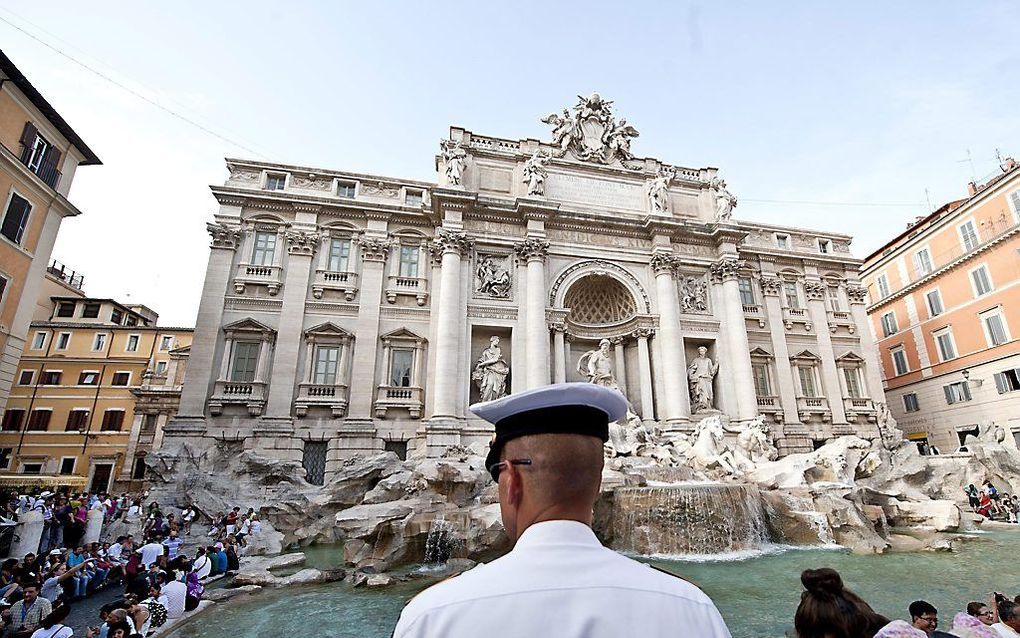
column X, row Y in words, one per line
column 971, row 188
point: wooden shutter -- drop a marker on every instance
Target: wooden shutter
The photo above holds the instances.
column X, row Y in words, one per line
column 948, row 389
column 966, row 390
column 1001, row 383
column 28, row 135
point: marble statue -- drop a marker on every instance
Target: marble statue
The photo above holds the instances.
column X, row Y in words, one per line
column 597, row 366
column 535, row 173
column 618, row 139
column 700, row 375
column 455, row 160
column 657, row 190
column 591, row 133
column 709, row 450
column 892, row 436
column 493, row 279
column 693, row 295
column 491, row 371
column 725, row 201
column 754, row 444
column 564, row 130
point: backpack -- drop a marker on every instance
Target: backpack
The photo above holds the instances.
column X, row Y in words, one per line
column 157, row 613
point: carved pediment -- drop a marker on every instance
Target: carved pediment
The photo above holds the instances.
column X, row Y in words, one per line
column 761, row 353
column 850, row 358
column 248, row 325
column 805, row 356
column 328, row 329
column 403, row 334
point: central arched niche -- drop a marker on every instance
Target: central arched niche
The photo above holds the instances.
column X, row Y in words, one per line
column 599, row 300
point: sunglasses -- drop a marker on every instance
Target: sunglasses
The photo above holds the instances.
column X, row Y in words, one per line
column 496, row 468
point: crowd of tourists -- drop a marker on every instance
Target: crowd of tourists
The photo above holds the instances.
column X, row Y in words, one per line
column 992, row 504
column 828, row 609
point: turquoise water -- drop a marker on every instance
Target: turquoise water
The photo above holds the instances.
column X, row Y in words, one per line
column 757, row 596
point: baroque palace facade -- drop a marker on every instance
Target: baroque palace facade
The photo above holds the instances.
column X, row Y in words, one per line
column 344, row 313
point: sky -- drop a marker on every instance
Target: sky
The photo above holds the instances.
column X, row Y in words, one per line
column 847, row 117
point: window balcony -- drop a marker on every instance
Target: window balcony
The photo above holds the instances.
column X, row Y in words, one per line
column 253, row 275
column 769, row 405
column 754, row 311
column 345, row 282
column 321, row 395
column 859, row 407
column 792, row 316
column 813, row 406
column 416, row 287
column 46, row 171
column 392, row 397
column 841, row 319
column 251, row 394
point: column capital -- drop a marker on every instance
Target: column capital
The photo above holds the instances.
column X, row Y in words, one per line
column 643, row 332
column 374, row 249
column 301, row 242
column 224, row 236
column 617, row 340
column 663, row 263
column 814, row 290
column 532, row 249
column 770, row 284
column 450, row 241
column 856, row 293
column 727, row 268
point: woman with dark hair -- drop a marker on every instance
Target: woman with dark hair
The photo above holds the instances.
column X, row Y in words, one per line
column 53, row 626
column 828, row 610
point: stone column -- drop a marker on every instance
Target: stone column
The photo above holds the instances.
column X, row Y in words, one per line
column 301, row 247
column 645, row 374
column 559, row 354
column 132, row 447
column 533, row 251
column 737, row 369
column 373, row 251
column 452, row 245
column 771, row 288
column 815, row 292
column 208, row 324
column 620, row 364
column 857, row 294
column 675, row 407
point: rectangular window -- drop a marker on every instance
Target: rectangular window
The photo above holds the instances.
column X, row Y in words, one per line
column 12, row 420
column 400, row 367
column 88, row 377
column 138, row 470
column 148, row 423
column 264, row 249
column 36, row 153
column 166, row 342
column 957, row 392
column 889, row 326
column 1007, row 381
column 934, row 300
column 326, row 358
column 132, row 343
column 27, row 377
column 824, row 246
column 16, row 219
column 116, row 316
column 409, row 261
column 413, row 198
column 65, row 309
column 339, row 255
column 807, row 381
column 39, row 421
column 835, row 303
column 77, row 421
column 947, row 349
column 969, row 236
column 922, row 262
column 112, row 420
column 5, row 457
column 39, row 341
column 131, row 321
column 782, row 241
column 160, row 368
column 63, row 340
column 51, row 377
column 852, row 376
column 91, row 311
column 313, row 459
column 99, row 342
column 67, row 465
column 746, row 291
column 761, row 380
column 883, row 286
column 121, row 378
column 246, row 360
column 899, row 358
column 995, row 328
column 790, row 295
column 346, row 189
column 982, row 282
column 31, row 468
column 276, row 181
column 910, row 403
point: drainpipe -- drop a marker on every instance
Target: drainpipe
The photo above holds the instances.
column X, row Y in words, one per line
column 35, row 389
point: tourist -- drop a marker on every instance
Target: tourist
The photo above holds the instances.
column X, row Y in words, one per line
column 993, row 495
column 231, row 521
column 58, row 575
column 195, row 591
column 176, row 593
column 256, row 524
column 216, row 525
column 222, row 560
column 924, row 616
column 187, row 517
column 203, row 565
column 1009, row 620
column 151, row 551
column 173, row 545
column 828, row 609
column 27, row 613
column 976, row 622
column 52, row 626
column 547, row 459
column 230, row 550
column 982, row 612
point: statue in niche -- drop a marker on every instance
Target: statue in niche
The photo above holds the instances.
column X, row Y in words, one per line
column 493, row 278
column 629, row 434
column 491, row 371
column 455, row 160
column 657, row 190
column 597, row 366
column 700, row 375
column 535, row 173
column 725, row 201
column 693, row 295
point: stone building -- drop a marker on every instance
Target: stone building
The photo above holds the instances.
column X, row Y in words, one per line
column 96, row 384
column 945, row 304
column 345, row 312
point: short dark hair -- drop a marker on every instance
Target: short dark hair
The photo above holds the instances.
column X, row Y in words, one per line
column 919, row 608
column 974, row 608
column 32, row 584
column 1008, row 611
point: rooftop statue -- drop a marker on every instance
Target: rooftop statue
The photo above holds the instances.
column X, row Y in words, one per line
column 455, row 160
column 725, row 201
column 592, row 133
column 535, row 173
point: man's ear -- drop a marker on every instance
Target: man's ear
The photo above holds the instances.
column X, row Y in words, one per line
column 515, row 485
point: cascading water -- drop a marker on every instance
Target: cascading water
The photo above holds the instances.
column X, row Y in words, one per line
column 439, row 543
column 709, row 518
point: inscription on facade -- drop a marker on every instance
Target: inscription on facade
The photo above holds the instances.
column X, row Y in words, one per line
column 490, row 179
column 601, row 192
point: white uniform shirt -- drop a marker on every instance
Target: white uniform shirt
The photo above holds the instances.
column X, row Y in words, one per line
column 560, row 581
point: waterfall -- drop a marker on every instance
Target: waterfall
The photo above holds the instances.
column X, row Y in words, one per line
column 709, row 518
column 439, row 543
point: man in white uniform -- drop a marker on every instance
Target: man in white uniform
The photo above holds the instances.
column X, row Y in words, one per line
column 547, row 458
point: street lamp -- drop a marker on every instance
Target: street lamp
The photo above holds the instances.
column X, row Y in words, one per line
column 966, row 375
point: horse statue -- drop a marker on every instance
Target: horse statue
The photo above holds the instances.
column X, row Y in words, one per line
column 709, row 450
column 754, row 445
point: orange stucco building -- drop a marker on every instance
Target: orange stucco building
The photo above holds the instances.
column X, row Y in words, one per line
column 944, row 303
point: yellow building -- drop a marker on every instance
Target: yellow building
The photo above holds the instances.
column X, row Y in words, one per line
column 39, row 153
column 97, row 382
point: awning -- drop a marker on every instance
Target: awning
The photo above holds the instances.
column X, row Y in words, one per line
column 41, row 480
column 917, row 436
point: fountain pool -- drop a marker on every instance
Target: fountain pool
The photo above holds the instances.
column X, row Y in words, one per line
column 757, row 596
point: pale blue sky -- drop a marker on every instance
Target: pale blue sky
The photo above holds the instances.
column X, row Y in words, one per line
column 861, row 103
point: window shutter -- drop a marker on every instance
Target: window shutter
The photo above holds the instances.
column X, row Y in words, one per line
column 949, row 394
column 966, row 390
column 53, row 156
column 28, row 135
column 1001, row 384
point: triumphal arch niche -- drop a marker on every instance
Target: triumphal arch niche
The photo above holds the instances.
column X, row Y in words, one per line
column 527, row 262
